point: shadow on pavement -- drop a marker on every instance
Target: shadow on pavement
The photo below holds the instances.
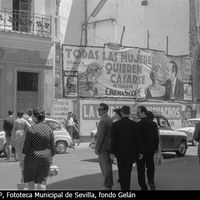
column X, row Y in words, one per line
column 87, row 182
column 165, row 156
column 95, row 160
column 175, row 174
column 8, row 161
column 169, row 155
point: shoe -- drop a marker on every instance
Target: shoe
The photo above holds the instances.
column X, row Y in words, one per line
column 107, row 188
column 16, row 159
column 152, row 186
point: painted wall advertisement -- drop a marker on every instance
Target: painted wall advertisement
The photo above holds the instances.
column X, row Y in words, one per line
column 126, row 73
column 60, row 109
column 89, row 116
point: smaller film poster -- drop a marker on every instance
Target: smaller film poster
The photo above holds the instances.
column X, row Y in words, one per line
column 187, row 91
column 70, row 84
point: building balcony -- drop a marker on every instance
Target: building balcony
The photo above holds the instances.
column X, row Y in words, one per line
column 21, row 21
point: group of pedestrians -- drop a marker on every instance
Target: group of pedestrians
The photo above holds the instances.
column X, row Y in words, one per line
column 15, row 131
column 33, row 141
column 130, row 142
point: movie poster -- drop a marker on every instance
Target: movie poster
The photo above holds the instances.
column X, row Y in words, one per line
column 128, row 73
column 70, row 84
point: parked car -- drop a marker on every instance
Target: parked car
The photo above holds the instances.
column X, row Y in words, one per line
column 189, row 129
column 171, row 140
column 62, row 138
column 2, row 142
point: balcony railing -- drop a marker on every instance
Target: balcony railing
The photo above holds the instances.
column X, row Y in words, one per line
column 26, row 22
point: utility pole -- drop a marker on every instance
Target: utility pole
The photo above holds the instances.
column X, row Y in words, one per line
column 148, row 39
column 195, row 52
column 85, row 26
column 122, row 35
column 167, row 45
column 93, row 14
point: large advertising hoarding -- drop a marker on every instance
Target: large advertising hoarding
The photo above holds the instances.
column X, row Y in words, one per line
column 89, row 116
column 126, row 73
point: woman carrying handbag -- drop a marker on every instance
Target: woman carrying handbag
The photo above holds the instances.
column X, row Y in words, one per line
column 38, row 152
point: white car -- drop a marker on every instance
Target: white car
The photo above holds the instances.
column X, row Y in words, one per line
column 2, row 142
column 62, row 138
column 171, row 140
column 189, row 129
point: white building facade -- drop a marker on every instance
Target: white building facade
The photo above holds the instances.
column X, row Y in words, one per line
column 140, row 18
column 28, row 32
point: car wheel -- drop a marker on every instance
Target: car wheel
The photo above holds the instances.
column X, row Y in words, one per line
column 182, row 149
column 194, row 143
column 4, row 151
column 61, row 147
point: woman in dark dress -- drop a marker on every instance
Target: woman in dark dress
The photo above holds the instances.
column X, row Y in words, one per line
column 38, row 152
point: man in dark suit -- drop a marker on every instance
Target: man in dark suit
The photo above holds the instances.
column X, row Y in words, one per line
column 125, row 146
column 173, row 86
column 150, row 139
column 103, row 145
column 7, row 127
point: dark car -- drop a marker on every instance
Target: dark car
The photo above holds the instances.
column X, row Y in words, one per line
column 171, row 140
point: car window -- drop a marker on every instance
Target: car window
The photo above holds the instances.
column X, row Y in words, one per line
column 155, row 120
column 191, row 123
column 54, row 125
column 163, row 123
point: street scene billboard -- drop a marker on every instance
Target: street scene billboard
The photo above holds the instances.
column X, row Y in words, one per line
column 126, row 73
column 89, row 117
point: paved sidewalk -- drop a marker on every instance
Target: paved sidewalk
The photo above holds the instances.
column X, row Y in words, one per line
column 79, row 170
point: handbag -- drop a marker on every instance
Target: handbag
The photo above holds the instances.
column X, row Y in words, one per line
column 92, row 145
column 53, row 170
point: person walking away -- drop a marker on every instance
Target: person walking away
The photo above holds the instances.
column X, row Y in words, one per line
column 28, row 116
column 38, row 152
column 7, row 127
column 19, row 134
column 125, row 146
column 158, row 155
column 103, row 145
column 75, row 134
column 69, row 124
column 150, row 139
column 196, row 137
column 117, row 116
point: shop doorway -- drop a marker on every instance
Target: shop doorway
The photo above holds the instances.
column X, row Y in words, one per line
column 27, row 90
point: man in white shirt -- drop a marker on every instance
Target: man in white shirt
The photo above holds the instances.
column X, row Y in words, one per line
column 69, row 124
